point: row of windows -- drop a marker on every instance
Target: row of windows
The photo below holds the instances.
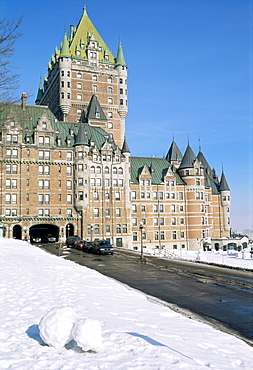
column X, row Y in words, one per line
column 160, row 235
column 97, row 211
column 11, row 138
column 95, row 78
column 120, row 228
column 148, row 182
column 157, row 208
column 107, row 182
column 158, row 195
column 160, row 221
column 115, row 170
column 41, row 212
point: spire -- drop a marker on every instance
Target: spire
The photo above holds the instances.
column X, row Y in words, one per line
column 40, row 93
column 174, row 153
column 223, row 183
column 65, row 52
column 125, row 148
column 120, row 60
column 81, row 137
column 188, row 158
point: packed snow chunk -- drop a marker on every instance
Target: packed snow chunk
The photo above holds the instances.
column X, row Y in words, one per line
column 88, row 334
column 55, row 327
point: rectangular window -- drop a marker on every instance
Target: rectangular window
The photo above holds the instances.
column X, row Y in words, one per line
column 69, row 184
column 134, row 221
column 134, row 208
column 173, row 221
column 117, row 195
column 180, row 195
column 135, row 238
column 96, row 212
column 69, row 171
column 117, row 212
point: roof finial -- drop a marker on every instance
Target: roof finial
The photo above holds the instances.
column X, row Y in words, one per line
column 199, row 145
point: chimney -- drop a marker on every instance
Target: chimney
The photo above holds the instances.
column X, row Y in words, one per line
column 23, row 100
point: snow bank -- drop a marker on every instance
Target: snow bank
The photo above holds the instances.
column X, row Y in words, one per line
column 138, row 333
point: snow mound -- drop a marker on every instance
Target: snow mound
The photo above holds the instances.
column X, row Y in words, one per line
column 88, row 334
column 56, row 325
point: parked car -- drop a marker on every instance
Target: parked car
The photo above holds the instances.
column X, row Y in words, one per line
column 88, row 247
column 70, row 241
column 102, row 247
column 51, row 238
column 35, row 239
column 80, row 244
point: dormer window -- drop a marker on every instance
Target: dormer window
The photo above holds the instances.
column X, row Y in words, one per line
column 12, row 124
column 82, row 46
column 106, row 57
column 97, row 114
column 78, row 53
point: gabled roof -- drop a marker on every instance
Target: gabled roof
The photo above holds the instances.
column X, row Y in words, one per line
column 223, row 183
column 188, row 158
column 174, row 153
column 159, row 168
column 94, row 110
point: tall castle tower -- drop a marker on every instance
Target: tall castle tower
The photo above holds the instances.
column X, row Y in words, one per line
column 84, row 66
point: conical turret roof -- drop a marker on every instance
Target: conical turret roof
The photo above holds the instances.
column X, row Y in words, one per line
column 81, row 137
column 125, row 148
column 65, row 52
column 120, row 60
column 223, row 183
column 174, row 153
column 188, row 158
column 40, row 92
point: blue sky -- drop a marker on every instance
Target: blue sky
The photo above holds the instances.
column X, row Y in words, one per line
column 190, row 75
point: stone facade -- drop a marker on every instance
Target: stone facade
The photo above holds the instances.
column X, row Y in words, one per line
column 66, row 167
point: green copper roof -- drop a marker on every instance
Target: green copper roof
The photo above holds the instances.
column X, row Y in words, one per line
column 158, row 168
column 65, row 52
column 120, row 60
column 84, row 33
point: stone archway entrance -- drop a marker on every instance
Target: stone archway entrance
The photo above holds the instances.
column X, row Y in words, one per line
column 41, row 232
column 17, row 232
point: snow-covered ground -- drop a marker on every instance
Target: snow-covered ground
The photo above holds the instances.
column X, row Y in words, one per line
column 137, row 332
column 230, row 258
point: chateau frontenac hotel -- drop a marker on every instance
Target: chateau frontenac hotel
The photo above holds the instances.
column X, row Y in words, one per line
column 66, row 168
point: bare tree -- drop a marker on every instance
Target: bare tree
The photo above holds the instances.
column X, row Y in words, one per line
column 248, row 233
column 9, row 33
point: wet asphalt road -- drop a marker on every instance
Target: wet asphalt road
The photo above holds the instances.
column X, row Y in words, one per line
column 220, row 296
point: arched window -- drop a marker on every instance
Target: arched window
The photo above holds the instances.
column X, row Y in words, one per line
column 92, row 169
column 106, row 169
column 114, row 170
column 120, row 171
column 98, row 169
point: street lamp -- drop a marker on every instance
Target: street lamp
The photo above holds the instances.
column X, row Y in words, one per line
column 91, row 230
column 141, row 229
